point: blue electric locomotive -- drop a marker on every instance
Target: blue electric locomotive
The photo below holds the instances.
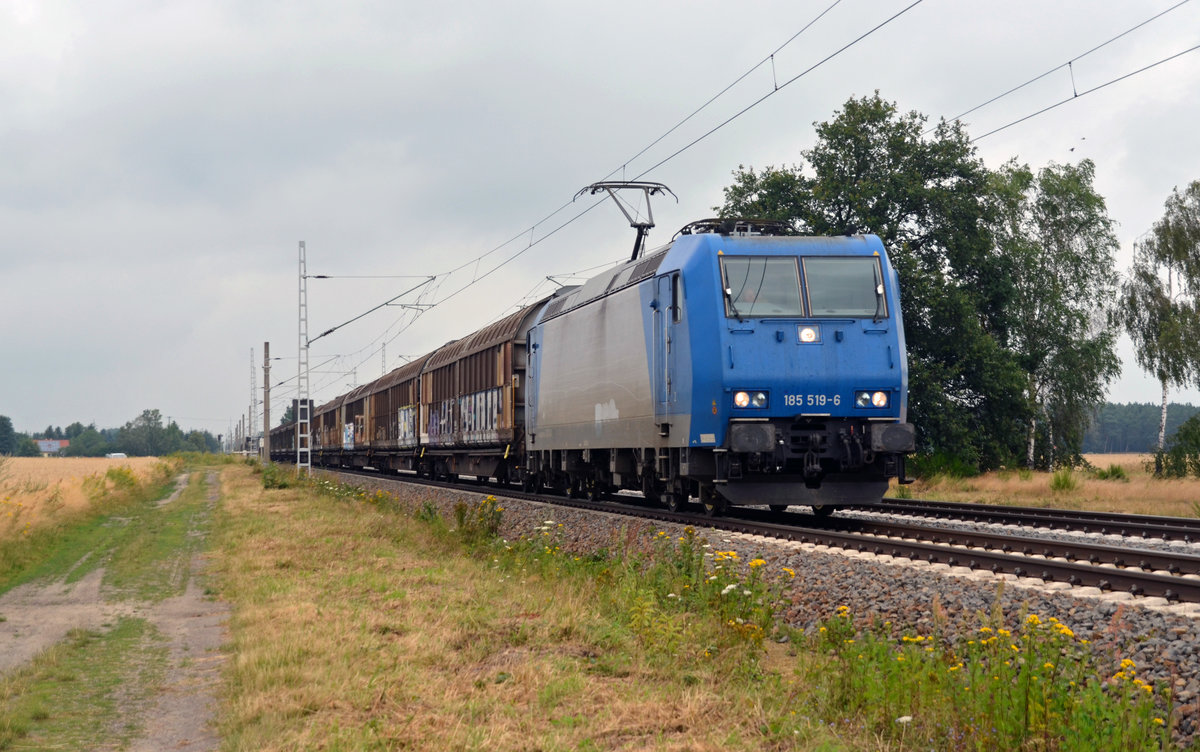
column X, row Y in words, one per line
column 734, row 366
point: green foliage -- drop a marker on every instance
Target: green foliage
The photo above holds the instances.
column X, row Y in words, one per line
column 8, row 437
column 1181, row 458
column 1064, row 480
column 204, row 459
column 1160, row 300
column 276, row 476
column 144, row 436
column 1114, row 472
column 1187, row 436
column 26, row 447
column 480, row 523
column 1176, row 462
column 1058, row 246
column 88, row 443
column 428, row 513
column 1032, row 687
column 1132, row 427
column 929, row 464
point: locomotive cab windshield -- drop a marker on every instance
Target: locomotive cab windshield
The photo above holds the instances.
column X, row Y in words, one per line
column 844, row 287
column 761, row 286
column 769, row 287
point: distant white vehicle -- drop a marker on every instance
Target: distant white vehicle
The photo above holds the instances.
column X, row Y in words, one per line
column 116, row 455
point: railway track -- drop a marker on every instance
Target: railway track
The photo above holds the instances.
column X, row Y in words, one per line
column 1139, row 571
column 1105, row 523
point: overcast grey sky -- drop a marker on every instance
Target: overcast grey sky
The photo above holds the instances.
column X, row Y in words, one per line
column 161, row 161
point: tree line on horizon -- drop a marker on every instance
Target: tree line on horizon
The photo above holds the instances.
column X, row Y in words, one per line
column 144, row 436
column 1114, row 428
column 1011, row 299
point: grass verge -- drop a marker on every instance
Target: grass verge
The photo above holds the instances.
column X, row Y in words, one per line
column 362, row 625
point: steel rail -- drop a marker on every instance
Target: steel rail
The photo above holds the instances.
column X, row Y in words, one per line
column 1096, row 554
column 1184, row 529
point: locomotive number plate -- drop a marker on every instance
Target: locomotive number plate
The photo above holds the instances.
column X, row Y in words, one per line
column 812, row 400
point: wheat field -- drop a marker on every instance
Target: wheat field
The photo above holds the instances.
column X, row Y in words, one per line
column 35, row 491
column 1138, row 493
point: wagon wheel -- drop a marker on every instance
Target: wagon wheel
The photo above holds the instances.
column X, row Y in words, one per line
column 650, row 488
column 677, row 500
column 822, row 510
column 777, row 508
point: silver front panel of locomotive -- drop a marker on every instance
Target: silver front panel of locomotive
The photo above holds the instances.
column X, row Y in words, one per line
column 594, row 389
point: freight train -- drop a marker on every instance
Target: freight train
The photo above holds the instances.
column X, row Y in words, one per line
column 737, row 365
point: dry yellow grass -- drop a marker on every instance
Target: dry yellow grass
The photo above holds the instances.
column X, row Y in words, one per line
column 357, row 628
column 1141, row 493
column 35, row 491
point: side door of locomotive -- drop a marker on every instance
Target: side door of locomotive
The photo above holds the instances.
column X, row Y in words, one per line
column 668, row 294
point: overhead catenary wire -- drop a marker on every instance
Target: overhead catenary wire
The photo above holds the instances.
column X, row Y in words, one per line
column 1067, row 64
column 1086, row 92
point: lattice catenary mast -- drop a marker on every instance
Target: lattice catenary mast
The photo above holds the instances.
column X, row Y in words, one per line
column 303, row 448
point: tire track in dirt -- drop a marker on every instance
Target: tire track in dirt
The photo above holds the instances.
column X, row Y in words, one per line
column 39, row 615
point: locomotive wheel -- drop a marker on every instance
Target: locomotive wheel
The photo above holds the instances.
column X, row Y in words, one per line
column 714, row 505
column 777, row 508
column 822, row 510
column 595, row 490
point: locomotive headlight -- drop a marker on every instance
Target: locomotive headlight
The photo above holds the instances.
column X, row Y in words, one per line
column 750, row 399
column 810, row 334
column 871, row 399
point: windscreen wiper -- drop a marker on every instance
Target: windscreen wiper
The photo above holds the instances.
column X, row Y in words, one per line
column 878, row 297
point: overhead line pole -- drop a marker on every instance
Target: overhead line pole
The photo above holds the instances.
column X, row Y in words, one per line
column 253, row 415
column 266, row 444
column 303, row 435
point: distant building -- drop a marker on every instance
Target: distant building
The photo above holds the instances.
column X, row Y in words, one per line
column 51, row 446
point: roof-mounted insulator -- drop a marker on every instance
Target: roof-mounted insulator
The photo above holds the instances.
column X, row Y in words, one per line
column 736, row 227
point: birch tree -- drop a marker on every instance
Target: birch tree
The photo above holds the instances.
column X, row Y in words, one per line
column 1160, row 300
column 1055, row 233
